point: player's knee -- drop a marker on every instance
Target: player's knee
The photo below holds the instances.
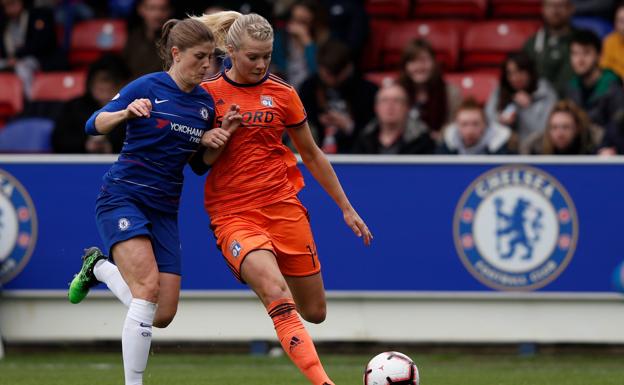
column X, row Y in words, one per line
column 316, row 315
column 146, row 288
column 272, row 290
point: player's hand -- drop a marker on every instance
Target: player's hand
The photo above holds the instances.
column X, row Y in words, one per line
column 139, row 108
column 215, row 138
column 232, row 119
column 358, row 226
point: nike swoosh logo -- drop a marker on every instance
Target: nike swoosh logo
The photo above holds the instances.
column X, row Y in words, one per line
column 144, row 325
column 160, row 101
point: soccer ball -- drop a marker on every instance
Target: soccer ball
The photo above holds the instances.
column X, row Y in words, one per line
column 391, row 368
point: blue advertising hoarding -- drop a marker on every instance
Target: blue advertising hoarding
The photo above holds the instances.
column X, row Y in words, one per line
column 440, row 224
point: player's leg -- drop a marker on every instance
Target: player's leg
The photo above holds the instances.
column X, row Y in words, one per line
column 261, row 272
column 137, row 265
column 309, row 295
column 168, row 298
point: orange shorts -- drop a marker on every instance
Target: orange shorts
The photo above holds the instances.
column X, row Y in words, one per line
column 282, row 228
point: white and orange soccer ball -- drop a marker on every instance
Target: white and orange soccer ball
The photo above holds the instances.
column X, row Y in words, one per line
column 391, row 368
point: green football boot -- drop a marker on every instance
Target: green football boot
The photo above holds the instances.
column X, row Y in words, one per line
column 85, row 279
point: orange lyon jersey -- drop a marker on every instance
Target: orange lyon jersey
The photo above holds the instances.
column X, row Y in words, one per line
column 255, row 169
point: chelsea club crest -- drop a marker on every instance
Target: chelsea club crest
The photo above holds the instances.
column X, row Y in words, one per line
column 18, row 227
column 515, row 228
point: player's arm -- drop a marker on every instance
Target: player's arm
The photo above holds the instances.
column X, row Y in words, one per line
column 320, row 168
column 106, row 121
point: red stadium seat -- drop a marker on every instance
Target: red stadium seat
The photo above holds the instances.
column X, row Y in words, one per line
column 381, row 77
column 90, row 39
column 444, row 37
column 486, row 44
column 371, row 59
column 58, row 86
column 516, row 8
column 468, row 9
column 11, row 96
column 397, row 9
column 478, row 85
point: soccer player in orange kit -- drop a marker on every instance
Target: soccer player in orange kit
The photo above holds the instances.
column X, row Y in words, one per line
column 261, row 226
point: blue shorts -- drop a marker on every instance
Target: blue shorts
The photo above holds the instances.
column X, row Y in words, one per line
column 120, row 218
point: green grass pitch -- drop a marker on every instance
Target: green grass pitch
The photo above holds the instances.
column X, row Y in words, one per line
column 183, row 369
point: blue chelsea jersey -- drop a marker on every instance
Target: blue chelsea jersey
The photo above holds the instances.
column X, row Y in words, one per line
column 151, row 163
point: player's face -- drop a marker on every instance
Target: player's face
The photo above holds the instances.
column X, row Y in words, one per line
column 420, row 68
column 471, row 126
column 194, row 62
column 619, row 20
column 583, row 58
column 561, row 130
column 518, row 78
column 391, row 105
column 252, row 59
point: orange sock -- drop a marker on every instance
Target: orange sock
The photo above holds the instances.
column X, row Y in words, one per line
column 296, row 341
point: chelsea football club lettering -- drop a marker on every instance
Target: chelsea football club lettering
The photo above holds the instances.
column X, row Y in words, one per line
column 515, row 228
column 18, row 227
column 253, row 117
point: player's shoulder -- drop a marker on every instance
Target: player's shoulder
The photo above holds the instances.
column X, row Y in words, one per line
column 278, row 83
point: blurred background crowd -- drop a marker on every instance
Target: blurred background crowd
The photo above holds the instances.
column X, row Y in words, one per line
column 375, row 76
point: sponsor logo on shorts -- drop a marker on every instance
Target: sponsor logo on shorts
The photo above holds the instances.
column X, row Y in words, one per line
column 515, row 228
column 123, row 224
column 18, row 227
column 235, row 249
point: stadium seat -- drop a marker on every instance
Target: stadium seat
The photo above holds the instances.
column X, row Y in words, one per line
column 465, row 9
column 91, row 38
column 371, row 60
column 11, row 96
column 515, row 9
column 27, row 135
column 486, row 44
column 381, row 77
column 478, row 85
column 396, row 9
column 598, row 25
column 58, row 86
column 444, row 37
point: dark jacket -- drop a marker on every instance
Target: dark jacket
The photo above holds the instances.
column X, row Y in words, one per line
column 359, row 95
column 40, row 40
column 614, row 136
column 605, row 100
column 69, row 136
column 415, row 140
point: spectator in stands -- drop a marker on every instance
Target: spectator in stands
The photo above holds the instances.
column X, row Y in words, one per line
column 472, row 134
column 522, row 100
column 140, row 52
column 339, row 102
column 432, row 99
column 393, row 131
column 105, row 78
column 295, row 46
column 28, row 42
column 549, row 47
column 348, row 22
column 598, row 91
column 613, row 143
column 613, row 45
column 568, row 132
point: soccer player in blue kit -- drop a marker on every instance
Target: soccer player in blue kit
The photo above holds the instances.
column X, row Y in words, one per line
column 168, row 115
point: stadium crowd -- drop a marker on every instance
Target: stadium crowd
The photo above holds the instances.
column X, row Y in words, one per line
column 558, row 92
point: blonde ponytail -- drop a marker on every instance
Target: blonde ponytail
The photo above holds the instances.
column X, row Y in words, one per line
column 230, row 27
column 219, row 23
